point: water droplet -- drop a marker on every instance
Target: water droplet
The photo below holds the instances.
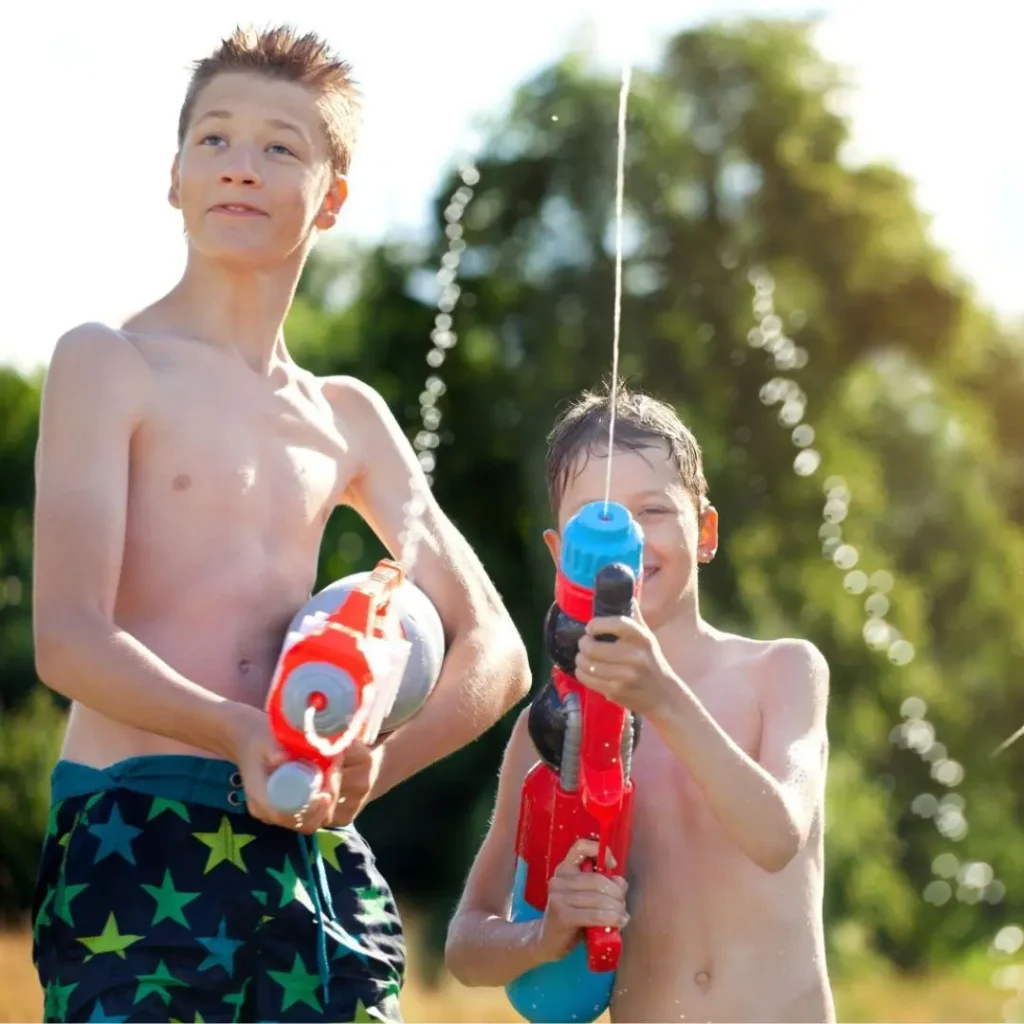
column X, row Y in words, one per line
column 807, row 463
column 937, row 893
column 901, row 652
column 877, row 633
column 845, row 557
column 882, row 581
column 835, row 512
column 855, row 582
column 803, row 435
column 949, row 773
column 995, row 892
column 1009, row 939
column 925, row 805
column 829, row 530
column 876, row 605
column 946, row 865
column 833, row 483
column 977, row 874
column 913, row 707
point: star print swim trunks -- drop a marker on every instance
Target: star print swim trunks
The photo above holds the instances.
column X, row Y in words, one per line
column 160, row 899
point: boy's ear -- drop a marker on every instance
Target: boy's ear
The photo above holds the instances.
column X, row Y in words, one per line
column 332, row 204
column 553, row 541
column 174, row 192
column 707, row 541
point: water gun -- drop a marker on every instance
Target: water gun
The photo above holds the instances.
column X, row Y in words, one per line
column 359, row 658
column 581, row 787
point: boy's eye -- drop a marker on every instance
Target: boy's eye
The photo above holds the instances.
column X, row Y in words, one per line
column 653, row 510
column 210, row 140
column 280, row 147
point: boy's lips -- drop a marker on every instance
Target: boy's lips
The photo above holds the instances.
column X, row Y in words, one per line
column 239, row 210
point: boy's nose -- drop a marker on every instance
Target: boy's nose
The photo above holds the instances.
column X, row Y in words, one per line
column 240, row 176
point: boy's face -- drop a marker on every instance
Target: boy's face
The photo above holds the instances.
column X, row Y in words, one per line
column 253, row 176
column 647, row 483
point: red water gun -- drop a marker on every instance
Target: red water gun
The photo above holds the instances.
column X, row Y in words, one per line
column 582, row 787
column 333, row 684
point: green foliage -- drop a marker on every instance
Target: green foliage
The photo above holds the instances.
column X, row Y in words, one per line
column 735, row 174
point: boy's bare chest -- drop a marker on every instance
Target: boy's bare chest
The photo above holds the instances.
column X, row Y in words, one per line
column 664, row 781
column 228, row 446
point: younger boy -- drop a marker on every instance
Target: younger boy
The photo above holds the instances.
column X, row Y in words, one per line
column 186, row 469
column 724, row 919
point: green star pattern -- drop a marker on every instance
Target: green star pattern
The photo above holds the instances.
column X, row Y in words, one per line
column 110, row 940
column 174, row 806
column 157, row 984
column 62, row 904
column 56, row 1000
column 299, row 986
column 170, row 902
column 292, row 887
column 373, row 905
column 328, row 843
column 225, row 845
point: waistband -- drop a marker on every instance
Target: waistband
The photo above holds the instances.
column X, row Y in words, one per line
column 189, row 779
column 193, row 780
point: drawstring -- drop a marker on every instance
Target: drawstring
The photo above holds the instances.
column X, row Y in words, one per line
column 309, row 857
column 316, row 891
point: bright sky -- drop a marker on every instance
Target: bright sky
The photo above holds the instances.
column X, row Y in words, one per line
column 93, row 95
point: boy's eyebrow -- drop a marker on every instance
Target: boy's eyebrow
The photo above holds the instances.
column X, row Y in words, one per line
column 274, row 122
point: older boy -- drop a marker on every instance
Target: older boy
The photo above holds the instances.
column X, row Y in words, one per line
column 725, row 888
column 186, row 469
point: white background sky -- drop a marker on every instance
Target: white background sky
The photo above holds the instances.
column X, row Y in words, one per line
column 92, row 91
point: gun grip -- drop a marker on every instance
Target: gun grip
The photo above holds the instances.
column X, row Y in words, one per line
column 604, row 947
column 613, row 593
column 604, row 944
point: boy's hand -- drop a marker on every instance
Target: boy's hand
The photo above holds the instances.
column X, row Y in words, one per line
column 253, row 747
column 579, row 899
column 360, row 766
column 630, row 671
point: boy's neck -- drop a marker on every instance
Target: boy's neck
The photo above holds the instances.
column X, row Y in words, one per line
column 238, row 308
column 683, row 637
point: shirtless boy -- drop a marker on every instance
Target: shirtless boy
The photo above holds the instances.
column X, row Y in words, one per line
column 724, row 895
column 186, row 469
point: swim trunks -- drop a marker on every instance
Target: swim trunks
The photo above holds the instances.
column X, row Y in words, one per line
column 159, row 898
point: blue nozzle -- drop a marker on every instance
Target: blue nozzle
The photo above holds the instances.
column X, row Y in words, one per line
column 598, row 536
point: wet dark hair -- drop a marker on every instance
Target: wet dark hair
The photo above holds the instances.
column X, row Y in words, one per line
column 640, row 422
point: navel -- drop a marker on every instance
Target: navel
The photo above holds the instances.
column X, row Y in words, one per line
column 244, row 666
column 702, row 978
column 182, row 482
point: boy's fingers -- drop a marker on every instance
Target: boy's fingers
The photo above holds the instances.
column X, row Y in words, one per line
column 580, row 851
column 613, row 625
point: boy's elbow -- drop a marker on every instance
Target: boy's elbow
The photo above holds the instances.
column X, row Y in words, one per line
column 57, row 639
column 779, row 854
column 455, row 956
column 515, row 673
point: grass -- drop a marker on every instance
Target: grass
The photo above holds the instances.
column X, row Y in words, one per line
column 877, row 996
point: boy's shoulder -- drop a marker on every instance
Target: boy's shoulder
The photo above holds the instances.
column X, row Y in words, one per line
column 94, row 357
column 363, row 414
column 785, row 661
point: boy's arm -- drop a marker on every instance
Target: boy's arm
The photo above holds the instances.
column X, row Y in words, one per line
column 483, row 947
column 768, row 806
column 485, row 671
column 95, row 395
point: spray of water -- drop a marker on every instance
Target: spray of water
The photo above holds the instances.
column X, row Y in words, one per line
column 620, row 175
column 953, row 877
column 443, row 338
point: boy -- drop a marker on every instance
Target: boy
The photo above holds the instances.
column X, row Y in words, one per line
column 725, row 889
column 186, row 469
